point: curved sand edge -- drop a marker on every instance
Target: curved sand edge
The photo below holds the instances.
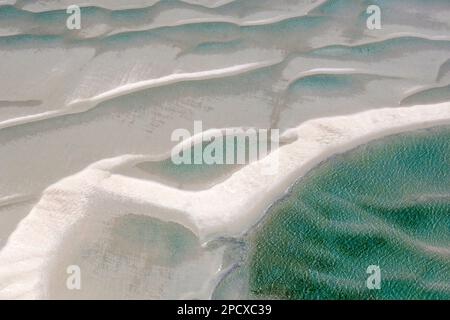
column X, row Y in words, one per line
column 227, row 209
column 83, row 105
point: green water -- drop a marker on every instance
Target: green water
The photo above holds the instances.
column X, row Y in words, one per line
column 196, row 174
column 386, row 203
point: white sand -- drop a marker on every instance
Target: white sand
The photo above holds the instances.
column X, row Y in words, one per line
column 227, row 209
column 80, row 109
column 78, row 106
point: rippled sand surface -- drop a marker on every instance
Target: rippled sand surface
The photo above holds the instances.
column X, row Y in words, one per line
column 86, row 118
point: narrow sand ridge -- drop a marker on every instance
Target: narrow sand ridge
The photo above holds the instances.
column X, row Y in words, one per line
column 226, row 210
column 159, row 14
column 79, row 106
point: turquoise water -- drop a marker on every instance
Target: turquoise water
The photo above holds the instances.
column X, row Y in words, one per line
column 356, row 210
column 196, row 173
column 386, row 203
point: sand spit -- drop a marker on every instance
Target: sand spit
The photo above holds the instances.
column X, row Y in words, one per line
column 78, row 106
column 227, row 209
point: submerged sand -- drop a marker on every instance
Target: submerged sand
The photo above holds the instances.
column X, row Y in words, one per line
column 81, row 110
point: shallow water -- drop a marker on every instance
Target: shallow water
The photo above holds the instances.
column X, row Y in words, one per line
column 386, row 203
column 135, row 257
column 310, row 58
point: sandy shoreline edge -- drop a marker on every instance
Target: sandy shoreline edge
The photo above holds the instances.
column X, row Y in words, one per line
column 228, row 209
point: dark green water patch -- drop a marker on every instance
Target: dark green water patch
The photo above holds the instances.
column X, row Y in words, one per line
column 386, row 203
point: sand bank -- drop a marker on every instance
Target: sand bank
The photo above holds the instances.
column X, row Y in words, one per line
column 227, row 209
